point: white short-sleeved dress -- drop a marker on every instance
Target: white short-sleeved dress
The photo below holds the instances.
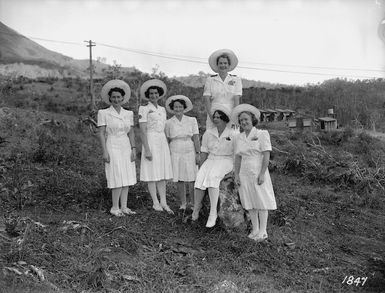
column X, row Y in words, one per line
column 182, row 147
column 252, row 195
column 220, row 160
column 222, row 92
column 160, row 167
column 120, row 171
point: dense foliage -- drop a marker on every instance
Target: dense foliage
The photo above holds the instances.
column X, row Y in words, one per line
column 360, row 104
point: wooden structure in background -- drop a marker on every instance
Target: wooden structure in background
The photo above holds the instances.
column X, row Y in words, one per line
column 284, row 114
column 331, row 114
column 300, row 123
column 271, row 115
column 327, row 123
column 264, row 115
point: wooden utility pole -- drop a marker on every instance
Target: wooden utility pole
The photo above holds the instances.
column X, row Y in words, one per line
column 90, row 45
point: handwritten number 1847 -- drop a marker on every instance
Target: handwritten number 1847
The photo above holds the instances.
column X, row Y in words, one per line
column 350, row 280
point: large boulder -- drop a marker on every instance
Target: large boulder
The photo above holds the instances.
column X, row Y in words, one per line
column 231, row 211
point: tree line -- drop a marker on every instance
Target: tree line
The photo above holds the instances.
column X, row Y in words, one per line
column 359, row 104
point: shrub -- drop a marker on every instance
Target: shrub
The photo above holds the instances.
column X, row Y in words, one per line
column 64, row 187
column 331, row 138
column 370, row 149
column 56, row 147
column 364, row 143
column 337, row 137
column 52, row 106
column 344, row 169
column 347, row 133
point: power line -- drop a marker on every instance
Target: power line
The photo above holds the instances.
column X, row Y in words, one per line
column 239, row 66
column 61, row 42
column 173, row 57
column 201, row 60
column 186, row 58
column 304, row 72
column 41, row 39
column 315, row 67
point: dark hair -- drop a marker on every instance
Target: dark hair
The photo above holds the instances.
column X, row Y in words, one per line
column 183, row 102
column 222, row 115
column 116, row 89
column 158, row 88
column 224, row 56
column 254, row 119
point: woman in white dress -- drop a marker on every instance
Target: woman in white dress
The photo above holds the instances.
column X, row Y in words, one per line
column 222, row 88
column 252, row 155
column 183, row 133
column 217, row 160
column 155, row 164
column 118, row 149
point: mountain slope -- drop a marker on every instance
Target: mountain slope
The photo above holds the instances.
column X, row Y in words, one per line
column 16, row 48
column 22, row 56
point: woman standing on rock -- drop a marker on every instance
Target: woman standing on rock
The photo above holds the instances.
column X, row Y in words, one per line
column 217, row 160
column 252, row 155
column 183, row 133
column 222, row 88
column 118, row 148
column 155, row 164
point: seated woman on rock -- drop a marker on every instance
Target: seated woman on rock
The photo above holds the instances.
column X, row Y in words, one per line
column 217, row 154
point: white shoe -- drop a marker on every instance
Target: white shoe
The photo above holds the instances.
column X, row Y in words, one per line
column 194, row 216
column 253, row 235
column 128, row 211
column 211, row 221
column 116, row 212
column 157, row 207
column 167, row 209
column 261, row 237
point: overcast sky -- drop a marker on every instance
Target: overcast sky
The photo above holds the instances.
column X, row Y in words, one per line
column 273, row 39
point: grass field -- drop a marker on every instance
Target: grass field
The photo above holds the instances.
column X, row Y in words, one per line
column 56, row 234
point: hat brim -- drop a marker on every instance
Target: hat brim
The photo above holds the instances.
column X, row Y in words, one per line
column 112, row 84
column 152, row 82
column 189, row 105
column 222, row 108
column 244, row 108
column 214, row 56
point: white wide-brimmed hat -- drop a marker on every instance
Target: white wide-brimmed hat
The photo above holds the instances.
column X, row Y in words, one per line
column 150, row 83
column 169, row 100
column 222, row 108
column 214, row 56
column 119, row 84
column 244, row 108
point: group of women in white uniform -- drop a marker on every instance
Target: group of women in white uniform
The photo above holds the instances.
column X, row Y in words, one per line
column 171, row 148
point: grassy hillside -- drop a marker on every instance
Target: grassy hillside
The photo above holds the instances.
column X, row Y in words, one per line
column 56, row 234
